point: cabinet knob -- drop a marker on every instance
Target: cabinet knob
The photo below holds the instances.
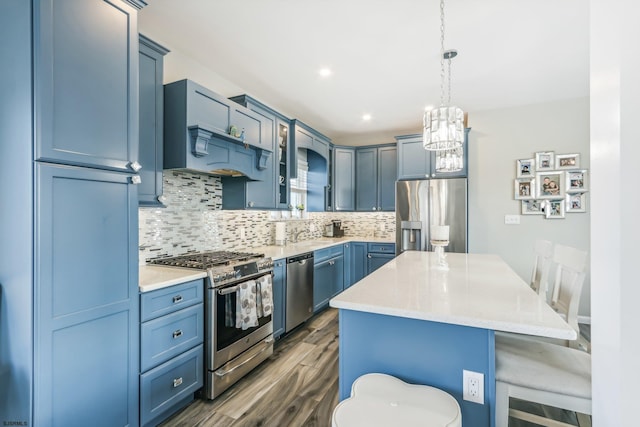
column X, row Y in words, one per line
column 162, row 199
column 135, row 166
column 368, row 255
column 251, row 204
column 373, row 208
column 379, row 208
column 135, row 179
column 332, row 262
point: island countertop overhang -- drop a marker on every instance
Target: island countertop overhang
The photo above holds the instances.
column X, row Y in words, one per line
column 478, row 290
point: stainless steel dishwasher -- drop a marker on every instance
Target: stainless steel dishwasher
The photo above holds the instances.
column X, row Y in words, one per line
column 299, row 290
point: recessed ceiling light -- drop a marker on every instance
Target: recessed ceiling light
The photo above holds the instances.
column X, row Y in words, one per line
column 325, row 72
column 366, row 117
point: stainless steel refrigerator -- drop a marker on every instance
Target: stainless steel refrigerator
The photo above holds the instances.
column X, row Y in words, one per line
column 422, row 203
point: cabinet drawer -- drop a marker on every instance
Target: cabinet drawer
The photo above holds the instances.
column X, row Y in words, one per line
column 167, row 336
column 324, row 254
column 162, row 388
column 164, row 301
column 382, row 247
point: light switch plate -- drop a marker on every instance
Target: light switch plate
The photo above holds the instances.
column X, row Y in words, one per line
column 512, row 219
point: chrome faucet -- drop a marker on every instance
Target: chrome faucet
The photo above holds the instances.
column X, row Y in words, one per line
column 297, row 234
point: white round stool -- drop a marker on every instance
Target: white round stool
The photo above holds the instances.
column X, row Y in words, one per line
column 383, row 400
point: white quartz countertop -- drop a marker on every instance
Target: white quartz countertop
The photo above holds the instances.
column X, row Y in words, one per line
column 153, row 277
column 478, row 290
column 293, row 249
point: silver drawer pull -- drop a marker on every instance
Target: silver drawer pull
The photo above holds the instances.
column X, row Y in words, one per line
column 332, row 262
column 368, row 255
column 177, row 382
column 177, row 334
column 177, row 299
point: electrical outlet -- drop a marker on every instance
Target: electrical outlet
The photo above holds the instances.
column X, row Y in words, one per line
column 512, row 219
column 473, row 386
column 242, row 232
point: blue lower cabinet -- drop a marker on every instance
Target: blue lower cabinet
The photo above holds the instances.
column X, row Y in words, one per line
column 348, row 280
column 279, row 297
column 328, row 276
column 85, row 297
column 378, row 254
column 170, row 386
column 358, row 261
column 172, row 352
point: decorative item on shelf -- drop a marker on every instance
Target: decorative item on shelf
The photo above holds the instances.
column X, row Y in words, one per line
column 233, row 131
column 242, row 135
column 444, row 126
column 440, row 239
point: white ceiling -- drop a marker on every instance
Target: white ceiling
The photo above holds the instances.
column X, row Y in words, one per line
column 384, row 55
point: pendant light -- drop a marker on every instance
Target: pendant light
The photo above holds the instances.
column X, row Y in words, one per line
column 443, row 126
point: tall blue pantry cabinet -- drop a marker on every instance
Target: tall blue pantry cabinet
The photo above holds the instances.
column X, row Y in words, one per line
column 69, row 340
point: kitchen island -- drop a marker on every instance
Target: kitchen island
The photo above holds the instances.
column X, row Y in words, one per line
column 425, row 324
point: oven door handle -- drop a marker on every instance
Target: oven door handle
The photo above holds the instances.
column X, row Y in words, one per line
column 222, row 373
column 227, row 291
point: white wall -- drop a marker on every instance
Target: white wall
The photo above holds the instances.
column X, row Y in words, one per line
column 497, row 139
column 615, row 150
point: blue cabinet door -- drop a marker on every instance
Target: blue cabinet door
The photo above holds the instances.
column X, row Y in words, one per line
column 376, row 260
column 322, row 277
column 279, row 295
column 86, row 298
column 387, row 175
column 86, row 82
column 348, row 257
column 344, row 179
column 366, row 179
column 414, row 162
column 337, row 281
column 358, row 261
column 150, row 121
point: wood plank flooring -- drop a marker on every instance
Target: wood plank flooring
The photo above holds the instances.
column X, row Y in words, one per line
column 296, row 386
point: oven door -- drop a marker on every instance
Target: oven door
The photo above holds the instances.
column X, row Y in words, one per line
column 226, row 340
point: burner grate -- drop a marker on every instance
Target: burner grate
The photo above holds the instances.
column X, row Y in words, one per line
column 205, row 260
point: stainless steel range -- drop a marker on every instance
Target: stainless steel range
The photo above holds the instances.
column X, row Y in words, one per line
column 231, row 352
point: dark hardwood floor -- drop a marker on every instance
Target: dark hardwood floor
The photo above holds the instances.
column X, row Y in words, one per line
column 296, row 386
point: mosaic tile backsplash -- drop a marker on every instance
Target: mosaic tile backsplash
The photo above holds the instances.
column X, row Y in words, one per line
column 194, row 221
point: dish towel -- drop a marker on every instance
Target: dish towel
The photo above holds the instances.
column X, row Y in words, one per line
column 265, row 297
column 246, row 307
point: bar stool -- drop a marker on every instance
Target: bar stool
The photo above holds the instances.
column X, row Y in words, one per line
column 383, row 400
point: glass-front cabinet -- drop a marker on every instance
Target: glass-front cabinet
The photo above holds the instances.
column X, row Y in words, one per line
column 282, row 138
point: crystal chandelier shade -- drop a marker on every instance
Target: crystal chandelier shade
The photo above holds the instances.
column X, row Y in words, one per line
column 443, row 127
column 449, row 160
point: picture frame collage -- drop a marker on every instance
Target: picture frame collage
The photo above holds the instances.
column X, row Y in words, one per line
column 551, row 184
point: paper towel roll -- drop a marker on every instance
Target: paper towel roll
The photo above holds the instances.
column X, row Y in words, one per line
column 281, row 233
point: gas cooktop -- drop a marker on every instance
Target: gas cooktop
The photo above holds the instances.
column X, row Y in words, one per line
column 207, row 260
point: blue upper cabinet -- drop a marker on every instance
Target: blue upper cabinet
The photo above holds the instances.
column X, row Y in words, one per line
column 150, row 121
column 375, row 178
column 307, row 138
column 387, row 176
column 344, row 178
column 87, row 92
column 272, row 192
column 414, row 162
column 206, row 132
